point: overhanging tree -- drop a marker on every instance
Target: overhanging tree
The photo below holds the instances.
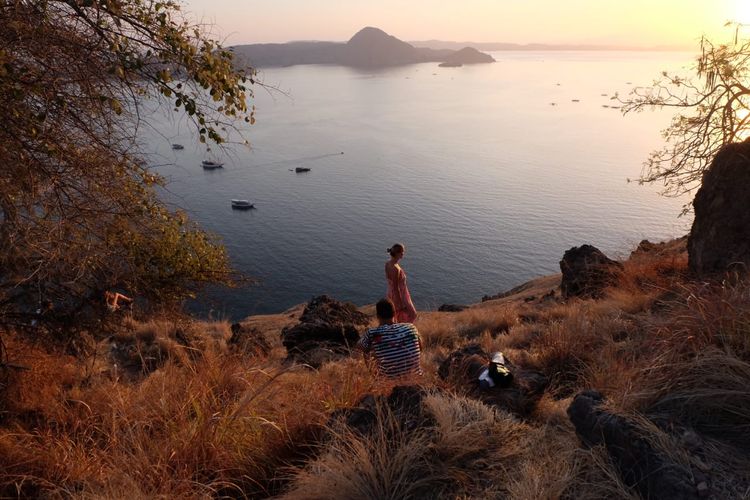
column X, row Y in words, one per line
column 714, row 110
column 78, row 210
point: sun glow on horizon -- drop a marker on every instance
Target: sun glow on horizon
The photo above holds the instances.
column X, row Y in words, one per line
column 632, row 23
column 741, row 12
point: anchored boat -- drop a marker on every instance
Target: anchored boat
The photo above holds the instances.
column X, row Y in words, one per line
column 210, row 165
column 242, row 204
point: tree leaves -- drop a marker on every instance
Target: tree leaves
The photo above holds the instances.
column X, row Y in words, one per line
column 78, row 211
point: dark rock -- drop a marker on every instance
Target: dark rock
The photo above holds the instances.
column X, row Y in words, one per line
column 452, row 308
column 586, row 272
column 404, row 404
column 641, row 467
column 646, row 247
column 691, row 440
column 720, row 237
column 248, row 340
column 326, row 324
column 465, row 364
column 703, row 489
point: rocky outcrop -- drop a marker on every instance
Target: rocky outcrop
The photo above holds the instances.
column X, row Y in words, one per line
column 641, row 466
column 720, row 237
column 327, row 330
column 586, row 272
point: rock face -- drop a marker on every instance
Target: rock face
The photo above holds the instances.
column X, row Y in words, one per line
column 720, row 237
column 586, row 272
column 327, row 330
column 651, row 473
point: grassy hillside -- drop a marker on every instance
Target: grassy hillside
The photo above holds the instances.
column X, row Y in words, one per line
column 169, row 408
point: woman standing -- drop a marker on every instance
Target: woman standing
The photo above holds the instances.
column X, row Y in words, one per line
column 398, row 292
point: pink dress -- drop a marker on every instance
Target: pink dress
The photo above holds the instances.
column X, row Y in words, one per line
column 398, row 293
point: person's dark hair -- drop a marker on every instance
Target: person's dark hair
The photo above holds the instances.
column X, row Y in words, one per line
column 396, row 248
column 385, row 309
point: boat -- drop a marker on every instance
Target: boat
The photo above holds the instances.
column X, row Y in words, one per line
column 242, row 204
column 210, row 165
column 301, row 169
column 178, row 146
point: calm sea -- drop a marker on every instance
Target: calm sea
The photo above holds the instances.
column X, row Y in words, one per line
column 487, row 173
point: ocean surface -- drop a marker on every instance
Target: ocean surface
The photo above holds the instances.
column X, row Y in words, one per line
column 487, row 173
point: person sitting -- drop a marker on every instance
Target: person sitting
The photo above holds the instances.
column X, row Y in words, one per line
column 396, row 346
column 112, row 300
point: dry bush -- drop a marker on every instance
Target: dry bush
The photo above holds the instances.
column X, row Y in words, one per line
column 451, row 329
column 713, row 314
column 214, row 426
column 567, row 349
column 594, row 477
column 659, row 268
column 468, row 451
column 710, row 392
column 521, row 336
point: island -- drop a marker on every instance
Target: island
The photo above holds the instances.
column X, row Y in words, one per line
column 368, row 48
column 467, row 55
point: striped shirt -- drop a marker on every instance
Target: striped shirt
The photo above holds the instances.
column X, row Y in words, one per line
column 396, row 348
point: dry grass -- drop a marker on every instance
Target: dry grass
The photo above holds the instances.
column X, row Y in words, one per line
column 450, row 329
column 183, row 415
column 468, row 450
column 209, row 426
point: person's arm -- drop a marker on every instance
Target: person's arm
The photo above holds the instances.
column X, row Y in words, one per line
column 364, row 342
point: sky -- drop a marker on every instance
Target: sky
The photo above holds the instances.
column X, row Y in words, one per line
column 636, row 23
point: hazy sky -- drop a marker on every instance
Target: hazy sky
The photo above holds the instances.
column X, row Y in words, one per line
column 620, row 22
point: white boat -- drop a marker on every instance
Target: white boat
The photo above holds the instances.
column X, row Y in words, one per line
column 209, row 165
column 242, row 204
column 178, row 146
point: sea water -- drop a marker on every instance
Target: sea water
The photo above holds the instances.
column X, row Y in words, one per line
column 487, row 173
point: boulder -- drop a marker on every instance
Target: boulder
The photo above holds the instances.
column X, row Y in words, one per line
column 586, row 272
column 651, row 473
column 720, row 237
column 326, row 326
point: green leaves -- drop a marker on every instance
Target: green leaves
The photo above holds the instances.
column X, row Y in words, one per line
column 78, row 206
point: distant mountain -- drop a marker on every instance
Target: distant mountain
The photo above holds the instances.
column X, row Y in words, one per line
column 497, row 46
column 369, row 48
column 467, row 55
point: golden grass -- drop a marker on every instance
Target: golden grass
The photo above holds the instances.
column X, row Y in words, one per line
column 193, row 418
column 468, row 449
